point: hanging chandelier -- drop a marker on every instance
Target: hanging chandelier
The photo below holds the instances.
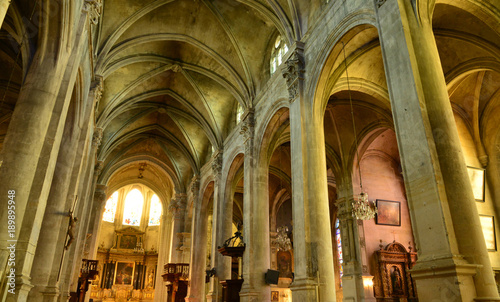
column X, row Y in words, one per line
column 283, row 242
column 361, row 207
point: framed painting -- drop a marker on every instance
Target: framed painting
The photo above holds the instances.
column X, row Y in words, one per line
column 389, row 212
column 128, row 241
column 488, row 226
column 275, row 295
column 476, row 176
column 124, row 273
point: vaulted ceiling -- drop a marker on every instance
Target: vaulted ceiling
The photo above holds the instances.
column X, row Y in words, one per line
column 175, row 72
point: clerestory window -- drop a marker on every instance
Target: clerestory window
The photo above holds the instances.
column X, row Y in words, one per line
column 110, row 208
column 155, row 211
column 278, row 53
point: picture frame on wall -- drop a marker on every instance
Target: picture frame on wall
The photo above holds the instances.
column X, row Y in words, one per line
column 275, row 295
column 476, row 176
column 389, row 212
column 124, row 273
column 488, row 226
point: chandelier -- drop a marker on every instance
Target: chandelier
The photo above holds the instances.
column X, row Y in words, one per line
column 361, row 207
column 283, row 243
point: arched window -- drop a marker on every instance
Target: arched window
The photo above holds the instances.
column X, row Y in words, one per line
column 339, row 249
column 110, row 208
column 279, row 50
column 155, row 211
column 132, row 211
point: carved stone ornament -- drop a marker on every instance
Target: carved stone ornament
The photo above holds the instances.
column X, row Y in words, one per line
column 94, row 8
column 97, row 138
column 195, row 185
column 177, row 205
column 217, row 165
column 176, row 68
column 247, row 130
column 96, row 92
column 99, row 196
column 98, row 168
column 293, row 72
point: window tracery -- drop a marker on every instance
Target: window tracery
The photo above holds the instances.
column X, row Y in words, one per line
column 132, row 211
column 155, row 211
column 110, row 208
column 278, row 53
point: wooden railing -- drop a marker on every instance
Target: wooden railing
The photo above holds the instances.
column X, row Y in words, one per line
column 175, row 271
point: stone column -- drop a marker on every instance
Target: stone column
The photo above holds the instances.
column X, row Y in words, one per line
column 444, row 216
column 197, row 264
column 313, row 254
column 352, row 281
column 177, row 207
column 31, row 148
column 161, row 292
column 70, row 272
column 60, row 204
column 256, row 259
column 220, row 232
column 98, row 197
column 98, row 201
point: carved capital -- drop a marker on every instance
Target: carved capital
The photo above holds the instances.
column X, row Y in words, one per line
column 247, row 130
column 96, row 90
column 98, row 168
column 178, row 205
column 100, row 194
column 195, row 186
column 94, row 10
column 293, row 72
column 344, row 206
column 97, row 138
column 217, row 166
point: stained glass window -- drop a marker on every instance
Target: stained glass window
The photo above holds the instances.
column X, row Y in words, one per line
column 110, row 208
column 132, row 211
column 155, row 211
column 339, row 249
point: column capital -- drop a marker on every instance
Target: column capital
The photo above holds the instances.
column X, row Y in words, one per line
column 96, row 90
column 97, row 138
column 194, row 187
column 178, row 205
column 99, row 165
column 294, row 71
column 217, row 165
column 248, row 130
column 94, row 10
column 100, row 193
